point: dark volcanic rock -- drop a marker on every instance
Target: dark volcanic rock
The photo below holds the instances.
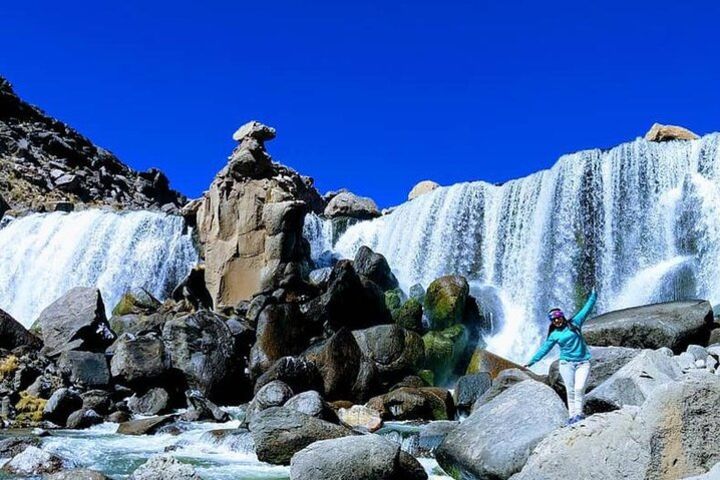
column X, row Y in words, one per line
column 201, row 346
column 140, row 361
column 43, row 161
column 13, row 334
column 153, row 402
column 394, row 351
column 76, row 321
column 469, row 388
column 338, row 360
column 281, row 331
column 374, row 267
column 88, row 369
column 145, row 426
column 281, row 432
column 674, row 325
column 298, row 373
column 83, row 418
column 60, row 405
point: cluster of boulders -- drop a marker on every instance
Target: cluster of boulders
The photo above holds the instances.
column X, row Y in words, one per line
column 649, row 405
column 45, row 166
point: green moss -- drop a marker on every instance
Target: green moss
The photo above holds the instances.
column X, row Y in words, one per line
column 394, row 299
column 443, row 350
column 409, row 315
column 427, row 376
column 445, row 301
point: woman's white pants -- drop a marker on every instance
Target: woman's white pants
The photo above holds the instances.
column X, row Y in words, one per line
column 575, row 375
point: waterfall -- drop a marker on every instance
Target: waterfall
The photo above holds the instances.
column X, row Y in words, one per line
column 42, row 256
column 640, row 222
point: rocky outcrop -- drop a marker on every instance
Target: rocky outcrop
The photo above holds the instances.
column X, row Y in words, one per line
column 347, row 204
column 364, row 457
column 76, row 321
column 201, row 346
column 139, row 361
column 666, row 438
column 632, row 384
column 13, row 334
column 250, row 220
column 665, row 133
column 530, row 410
column 88, row 369
column 673, row 324
column 421, row 188
column 45, row 163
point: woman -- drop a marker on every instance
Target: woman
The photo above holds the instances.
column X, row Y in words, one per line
column 574, row 354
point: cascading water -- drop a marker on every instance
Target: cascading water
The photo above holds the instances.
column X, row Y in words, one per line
column 42, row 256
column 640, row 222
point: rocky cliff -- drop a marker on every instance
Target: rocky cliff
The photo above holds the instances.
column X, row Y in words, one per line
column 250, row 221
column 44, row 163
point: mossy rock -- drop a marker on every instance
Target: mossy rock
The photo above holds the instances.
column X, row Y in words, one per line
column 409, row 316
column 394, row 299
column 29, row 408
column 140, row 302
column 444, row 350
column 445, row 301
column 484, row 361
column 427, row 376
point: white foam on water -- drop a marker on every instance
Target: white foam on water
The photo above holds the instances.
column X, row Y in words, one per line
column 42, row 256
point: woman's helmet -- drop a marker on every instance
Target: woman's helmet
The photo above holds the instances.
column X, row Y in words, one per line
column 555, row 313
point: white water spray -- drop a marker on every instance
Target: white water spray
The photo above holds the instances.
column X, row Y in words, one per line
column 42, row 256
column 640, row 222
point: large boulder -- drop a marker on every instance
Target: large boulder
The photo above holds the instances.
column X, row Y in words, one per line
column 311, row 403
column 363, row 457
column 469, row 388
column 347, row 204
column 392, row 350
column 602, row 447
column 279, row 433
column 13, row 334
column 153, row 402
column 83, row 418
column 665, row 133
column 338, row 360
column 274, row 394
column 605, row 361
column 60, row 405
column 349, row 301
column 668, row 437
column 139, row 361
column 505, row 380
column 88, row 369
column 374, row 267
column 632, row 384
column 445, row 301
column 421, row 188
column 164, row 467
column 251, row 219
column 281, row 331
column 530, row 410
column 202, row 347
column 33, row 462
column 299, row 373
column 407, row 403
column 76, row 321
column 674, row 324
column 78, row 474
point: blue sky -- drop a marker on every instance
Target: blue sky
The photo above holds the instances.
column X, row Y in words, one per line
column 373, row 96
